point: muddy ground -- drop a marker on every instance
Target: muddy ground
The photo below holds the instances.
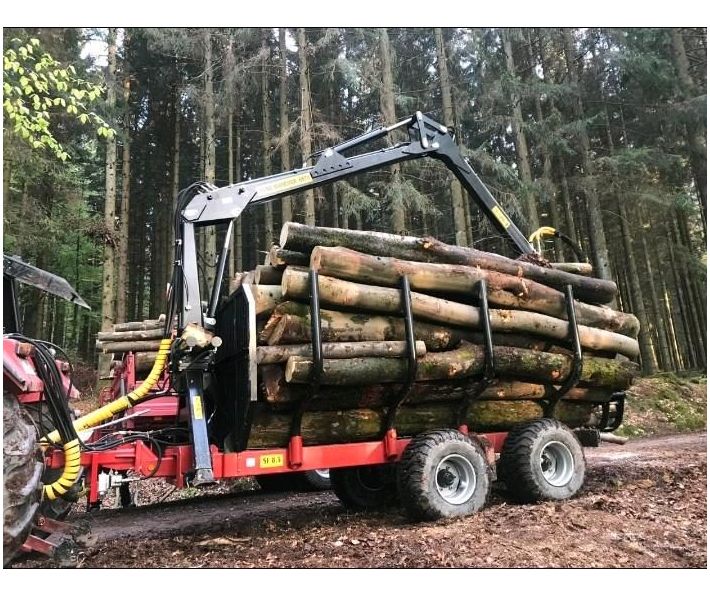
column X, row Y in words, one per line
column 644, row 504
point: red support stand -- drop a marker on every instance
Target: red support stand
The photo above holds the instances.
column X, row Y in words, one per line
column 295, row 451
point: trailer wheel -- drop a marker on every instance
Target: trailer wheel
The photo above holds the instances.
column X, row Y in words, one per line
column 22, row 475
column 542, row 461
column 316, row 480
column 365, row 487
column 443, row 473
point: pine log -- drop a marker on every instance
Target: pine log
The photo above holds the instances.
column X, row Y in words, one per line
column 144, row 361
column 504, row 290
column 266, row 298
column 129, row 346
column 272, row 429
column 264, row 275
column 342, row 325
column 382, row 349
column 286, row 328
column 466, row 361
column 337, row 292
column 279, row 257
column 585, row 269
column 140, row 325
column 138, row 335
column 274, row 390
column 304, row 238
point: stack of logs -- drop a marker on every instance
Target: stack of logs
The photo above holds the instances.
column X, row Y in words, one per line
column 363, row 332
column 140, row 337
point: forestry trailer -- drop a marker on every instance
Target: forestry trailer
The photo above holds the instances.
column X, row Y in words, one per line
column 200, row 415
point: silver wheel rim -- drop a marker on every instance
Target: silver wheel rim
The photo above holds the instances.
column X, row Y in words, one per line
column 455, row 479
column 324, row 473
column 556, row 463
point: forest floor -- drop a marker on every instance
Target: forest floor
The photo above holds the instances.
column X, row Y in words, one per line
column 644, row 504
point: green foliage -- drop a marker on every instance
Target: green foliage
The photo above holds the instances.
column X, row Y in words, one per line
column 36, row 87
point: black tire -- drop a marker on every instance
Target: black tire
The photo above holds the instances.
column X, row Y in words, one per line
column 443, row 473
column 365, row 488
column 22, row 475
column 316, row 480
column 542, row 461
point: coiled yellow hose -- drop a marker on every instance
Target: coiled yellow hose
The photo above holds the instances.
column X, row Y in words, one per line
column 72, row 452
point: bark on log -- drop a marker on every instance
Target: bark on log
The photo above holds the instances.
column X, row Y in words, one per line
column 129, row 346
column 304, row 238
column 286, row 328
column 274, row 390
column 280, row 257
column 382, row 349
column 336, row 292
column 272, row 429
column 138, row 335
column 466, row 361
column 267, row 276
column 503, row 289
column 140, row 325
column 584, row 269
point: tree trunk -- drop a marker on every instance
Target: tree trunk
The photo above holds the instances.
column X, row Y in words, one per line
column 648, row 358
column 600, row 252
column 137, row 335
column 123, row 264
column 266, row 136
column 663, row 350
column 306, row 121
column 210, row 155
column 341, row 293
column 273, row 430
column 128, row 346
column 378, row 349
column 108, row 312
column 274, row 390
column 503, row 289
column 521, row 144
column 390, row 117
column 695, row 131
column 302, row 238
column 457, row 196
column 463, row 362
column 286, row 206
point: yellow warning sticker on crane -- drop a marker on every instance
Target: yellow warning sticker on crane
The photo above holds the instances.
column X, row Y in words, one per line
column 284, row 184
column 271, row 460
column 197, row 411
column 501, row 217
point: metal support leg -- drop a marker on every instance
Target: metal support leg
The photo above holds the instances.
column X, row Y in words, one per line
column 295, row 445
column 576, row 371
column 390, row 436
column 489, row 370
column 198, row 425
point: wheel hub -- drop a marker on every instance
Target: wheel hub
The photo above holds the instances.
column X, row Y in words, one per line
column 455, row 479
column 556, row 463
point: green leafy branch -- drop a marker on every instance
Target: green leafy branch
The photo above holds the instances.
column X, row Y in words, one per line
column 37, row 88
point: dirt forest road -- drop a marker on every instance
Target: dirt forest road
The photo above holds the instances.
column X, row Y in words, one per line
column 643, row 505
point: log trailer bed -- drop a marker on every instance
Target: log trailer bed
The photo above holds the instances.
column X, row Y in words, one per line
column 190, row 420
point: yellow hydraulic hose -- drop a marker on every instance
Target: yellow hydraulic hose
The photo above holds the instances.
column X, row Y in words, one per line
column 537, row 236
column 70, row 474
column 72, row 452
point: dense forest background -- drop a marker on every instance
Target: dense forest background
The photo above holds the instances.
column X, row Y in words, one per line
column 598, row 132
